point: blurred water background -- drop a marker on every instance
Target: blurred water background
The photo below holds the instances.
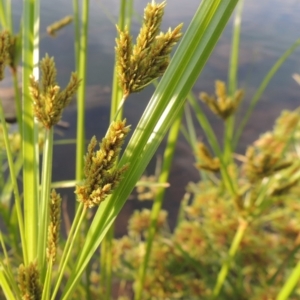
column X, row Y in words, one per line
column 269, row 27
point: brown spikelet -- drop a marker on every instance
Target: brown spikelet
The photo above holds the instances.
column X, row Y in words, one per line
column 207, row 162
column 48, row 100
column 54, row 225
column 148, row 59
column 56, row 26
column 29, row 282
column 222, row 105
column 4, row 51
column 101, row 174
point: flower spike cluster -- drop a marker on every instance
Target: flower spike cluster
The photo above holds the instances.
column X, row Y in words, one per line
column 148, row 59
column 58, row 25
column 48, row 100
column 54, row 225
column 207, row 162
column 4, row 51
column 101, row 174
column 29, row 282
column 222, row 105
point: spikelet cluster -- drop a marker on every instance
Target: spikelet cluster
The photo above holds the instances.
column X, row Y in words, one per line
column 101, row 174
column 266, row 157
column 148, row 59
column 48, row 100
column 54, row 225
column 222, row 105
column 56, row 26
column 4, row 51
column 207, row 162
column 29, row 282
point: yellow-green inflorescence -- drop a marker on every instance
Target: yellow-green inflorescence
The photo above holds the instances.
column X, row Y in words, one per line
column 148, row 59
column 223, row 105
column 101, row 174
column 54, row 225
column 266, row 157
column 207, row 162
column 4, row 51
column 48, row 100
column 29, row 282
column 58, row 25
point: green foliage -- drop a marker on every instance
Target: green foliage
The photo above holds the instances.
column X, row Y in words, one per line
column 242, row 206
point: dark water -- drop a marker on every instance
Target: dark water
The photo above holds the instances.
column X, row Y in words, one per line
column 269, row 27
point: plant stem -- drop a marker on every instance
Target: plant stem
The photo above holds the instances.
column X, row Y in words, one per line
column 232, row 251
column 116, row 90
column 106, row 263
column 5, row 286
column 18, row 103
column 3, row 16
column 290, row 284
column 45, row 198
column 192, row 137
column 76, row 32
column 116, row 112
column 234, row 58
column 13, row 177
column 47, row 282
column 232, row 82
column 79, row 218
column 208, row 131
column 80, row 142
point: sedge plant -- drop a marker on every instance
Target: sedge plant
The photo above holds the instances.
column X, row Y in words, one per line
column 42, row 261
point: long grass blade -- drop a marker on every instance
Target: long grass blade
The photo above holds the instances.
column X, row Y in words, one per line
column 28, row 142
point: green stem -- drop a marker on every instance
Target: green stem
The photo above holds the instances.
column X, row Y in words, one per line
column 79, row 218
column 234, row 58
column 76, row 32
column 44, row 202
column 158, row 201
column 9, row 15
column 47, row 282
column 13, row 177
column 290, row 284
column 192, row 136
column 232, row 83
column 116, row 90
column 18, row 103
column 80, row 142
column 106, row 263
column 5, row 286
column 211, row 137
column 116, row 112
column 3, row 17
column 6, row 266
column 232, row 251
